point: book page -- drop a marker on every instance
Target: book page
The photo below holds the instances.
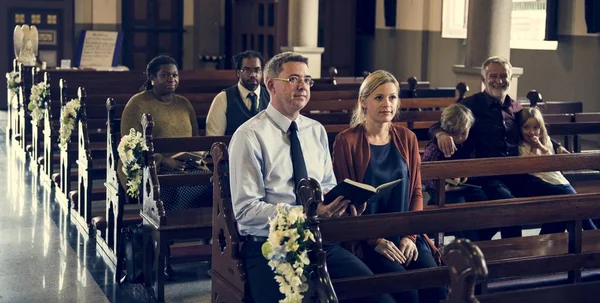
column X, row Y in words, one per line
column 361, row 185
column 391, row 183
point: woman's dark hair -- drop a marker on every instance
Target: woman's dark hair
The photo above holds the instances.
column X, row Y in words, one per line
column 237, row 59
column 153, row 67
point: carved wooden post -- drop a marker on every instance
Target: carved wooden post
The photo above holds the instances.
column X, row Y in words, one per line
column 12, row 102
column 23, row 137
column 65, row 166
column 310, row 194
column 332, row 74
column 412, row 86
column 462, row 89
column 534, row 98
column 47, row 162
column 467, row 265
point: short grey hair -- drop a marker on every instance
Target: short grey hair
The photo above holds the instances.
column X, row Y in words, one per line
column 273, row 67
column 456, row 119
column 496, row 60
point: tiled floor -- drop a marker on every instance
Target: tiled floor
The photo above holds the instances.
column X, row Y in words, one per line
column 44, row 258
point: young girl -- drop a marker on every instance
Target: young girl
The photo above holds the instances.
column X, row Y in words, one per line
column 534, row 142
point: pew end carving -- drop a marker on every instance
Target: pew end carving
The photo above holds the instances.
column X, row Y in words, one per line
column 152, row 210
column 534, row 98
column 115, row 195
column 24, row 119
column 412, row 86
column 82, row 213
column 466, row 265
column 462, row 89
column 49, row 136
column 227, row 272
column 321, row 288
column 333, row 72
column 64, row 177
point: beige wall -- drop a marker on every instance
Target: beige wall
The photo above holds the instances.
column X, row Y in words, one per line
column 415, row 48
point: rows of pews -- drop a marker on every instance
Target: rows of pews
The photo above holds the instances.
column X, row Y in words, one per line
column 84, row 178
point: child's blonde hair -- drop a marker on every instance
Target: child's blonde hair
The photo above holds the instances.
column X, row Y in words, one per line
column 534, row 112
column 456, row 119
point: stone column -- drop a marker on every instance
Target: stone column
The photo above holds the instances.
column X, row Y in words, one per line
column 488, row 34
column 303, row 30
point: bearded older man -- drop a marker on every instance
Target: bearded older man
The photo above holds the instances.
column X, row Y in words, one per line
column 495, row 133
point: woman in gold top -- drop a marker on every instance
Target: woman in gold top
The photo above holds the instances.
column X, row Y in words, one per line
column 173, row 114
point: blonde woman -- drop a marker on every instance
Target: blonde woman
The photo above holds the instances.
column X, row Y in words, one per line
column 534, row 142
column 376, row 151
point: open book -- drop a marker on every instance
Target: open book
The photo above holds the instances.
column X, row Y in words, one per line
column 359, row 193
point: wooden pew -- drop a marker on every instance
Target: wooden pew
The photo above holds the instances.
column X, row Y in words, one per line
column 109, row 228
column 12, row 100
column 228, row 275
column 442, row 170
column 88, row 200
column 23, row 134
column 467, row 266
column 172, row 225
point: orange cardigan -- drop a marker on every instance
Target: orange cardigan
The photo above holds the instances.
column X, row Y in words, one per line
column 351, row 154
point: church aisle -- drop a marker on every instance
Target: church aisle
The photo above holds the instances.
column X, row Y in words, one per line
column 37, row 263
column 44, row 257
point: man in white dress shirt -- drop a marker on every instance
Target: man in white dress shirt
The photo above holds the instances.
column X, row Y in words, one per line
column 262, row 174
column 238, row 103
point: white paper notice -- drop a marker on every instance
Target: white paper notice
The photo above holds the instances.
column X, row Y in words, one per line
column 98, row 49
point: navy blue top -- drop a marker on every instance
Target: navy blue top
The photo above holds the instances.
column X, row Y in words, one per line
column 386, row 165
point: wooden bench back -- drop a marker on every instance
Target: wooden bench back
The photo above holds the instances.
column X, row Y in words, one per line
column 467, row 266
column 153, row 206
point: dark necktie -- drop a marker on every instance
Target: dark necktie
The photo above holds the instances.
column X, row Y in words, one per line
column 297, row 158
column 253, row 107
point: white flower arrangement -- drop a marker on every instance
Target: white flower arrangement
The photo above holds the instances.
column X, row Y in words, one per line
column 68, row 117
column 36, row 101
column 131, row 151
column 287, row 249
column 13, row 81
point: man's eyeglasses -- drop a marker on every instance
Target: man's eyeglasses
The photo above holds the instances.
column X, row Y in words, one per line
column 250, row 71
column 295, row 80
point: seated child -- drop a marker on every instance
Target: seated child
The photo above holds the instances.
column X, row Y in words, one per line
column 535, row 141
column 456, row 120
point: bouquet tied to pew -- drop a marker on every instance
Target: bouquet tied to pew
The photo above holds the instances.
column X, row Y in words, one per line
column 287, row 249
column 131, row 152
column 13, row 81
column 36, row 101
column 68, row 117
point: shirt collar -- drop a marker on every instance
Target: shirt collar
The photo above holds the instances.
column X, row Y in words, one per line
column 244, row 91
column 491, row 100
column 280, row 120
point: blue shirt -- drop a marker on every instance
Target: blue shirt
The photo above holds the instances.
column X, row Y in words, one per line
column 386, row 165
column 260, row 166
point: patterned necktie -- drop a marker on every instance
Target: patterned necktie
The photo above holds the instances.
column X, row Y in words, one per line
column 253, row 107
column 297, row 158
